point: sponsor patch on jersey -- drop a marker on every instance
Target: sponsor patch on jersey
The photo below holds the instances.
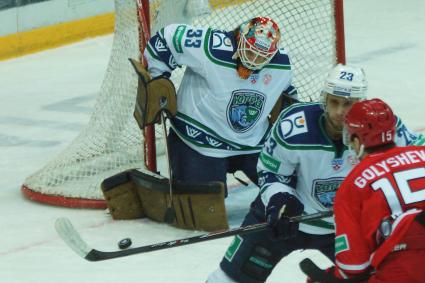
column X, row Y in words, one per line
column 177, row 38
column 324, row 191
column 270, row 163
column 294, row 124
column 341, row 244
column 233, row 248
column 245, row 109
column 221, row 42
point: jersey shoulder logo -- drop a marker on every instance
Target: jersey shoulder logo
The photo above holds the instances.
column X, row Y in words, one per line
column 220, row 41
column 294, row 124
column 245, row 109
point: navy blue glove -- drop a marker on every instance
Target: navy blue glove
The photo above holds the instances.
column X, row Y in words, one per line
column 280, row 208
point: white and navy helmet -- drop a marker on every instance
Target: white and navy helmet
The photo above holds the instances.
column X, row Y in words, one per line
column 346, row 81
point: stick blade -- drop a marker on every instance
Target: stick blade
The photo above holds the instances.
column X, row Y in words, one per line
column 70, row 236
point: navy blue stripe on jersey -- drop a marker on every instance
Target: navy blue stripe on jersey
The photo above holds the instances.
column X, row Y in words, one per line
column 200, row 136
column 265, row 179
column 159, row 49
column 281, row 58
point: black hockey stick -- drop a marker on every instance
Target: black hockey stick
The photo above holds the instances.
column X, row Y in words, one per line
column 73, row 239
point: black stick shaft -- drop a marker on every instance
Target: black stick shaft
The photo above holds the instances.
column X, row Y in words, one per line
column 95, row 255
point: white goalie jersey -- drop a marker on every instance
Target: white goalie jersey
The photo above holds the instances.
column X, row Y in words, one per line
column 219, row 114
column 300, row 158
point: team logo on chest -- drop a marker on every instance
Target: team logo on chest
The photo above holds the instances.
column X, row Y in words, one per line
column 244, row 109
column 324, row 190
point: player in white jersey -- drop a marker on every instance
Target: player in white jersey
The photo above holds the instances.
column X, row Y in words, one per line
column 300, row 168
column 233, row 80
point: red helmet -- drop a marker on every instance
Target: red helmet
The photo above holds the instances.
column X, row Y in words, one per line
column 372, row 121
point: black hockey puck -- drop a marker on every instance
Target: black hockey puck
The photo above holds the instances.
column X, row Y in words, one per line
column 124, row 243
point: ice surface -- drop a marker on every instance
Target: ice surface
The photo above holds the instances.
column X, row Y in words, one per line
column 46, row 99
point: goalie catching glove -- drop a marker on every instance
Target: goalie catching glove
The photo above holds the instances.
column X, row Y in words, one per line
column 153, row 96
column 280, row 208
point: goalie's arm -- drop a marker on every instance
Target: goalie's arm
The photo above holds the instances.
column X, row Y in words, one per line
column 173, row 46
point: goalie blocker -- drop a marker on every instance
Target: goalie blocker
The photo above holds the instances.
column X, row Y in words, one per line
column 134, row 194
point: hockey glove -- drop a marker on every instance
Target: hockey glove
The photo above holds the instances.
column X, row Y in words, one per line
column 318, row 275
column 280, row 208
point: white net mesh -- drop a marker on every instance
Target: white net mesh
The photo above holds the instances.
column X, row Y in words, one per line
column 112, row 142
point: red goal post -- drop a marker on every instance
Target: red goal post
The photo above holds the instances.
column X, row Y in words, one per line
column 313, row 35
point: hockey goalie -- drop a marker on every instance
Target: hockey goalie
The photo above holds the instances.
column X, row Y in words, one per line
column 234, row 81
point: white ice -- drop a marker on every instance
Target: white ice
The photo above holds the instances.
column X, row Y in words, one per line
column 46, row 99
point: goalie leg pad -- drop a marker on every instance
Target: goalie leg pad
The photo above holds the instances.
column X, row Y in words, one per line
column 201, row 211
column 197, row 206
column 121, row 197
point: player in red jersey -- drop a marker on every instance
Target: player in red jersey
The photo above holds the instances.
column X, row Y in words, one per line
column 379, row 208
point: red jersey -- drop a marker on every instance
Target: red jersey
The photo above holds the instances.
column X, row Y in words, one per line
column 390, row 183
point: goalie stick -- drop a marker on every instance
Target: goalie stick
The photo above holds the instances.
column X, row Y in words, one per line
column 73, row 239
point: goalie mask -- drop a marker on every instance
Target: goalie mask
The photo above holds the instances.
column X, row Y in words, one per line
column 258, row 42
column 345, row 81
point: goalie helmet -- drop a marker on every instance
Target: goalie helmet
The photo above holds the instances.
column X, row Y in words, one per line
column 372, row 122
column 258, row 42
column 345, row 81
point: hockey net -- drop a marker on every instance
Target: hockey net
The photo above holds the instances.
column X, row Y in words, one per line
column 112, row 142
